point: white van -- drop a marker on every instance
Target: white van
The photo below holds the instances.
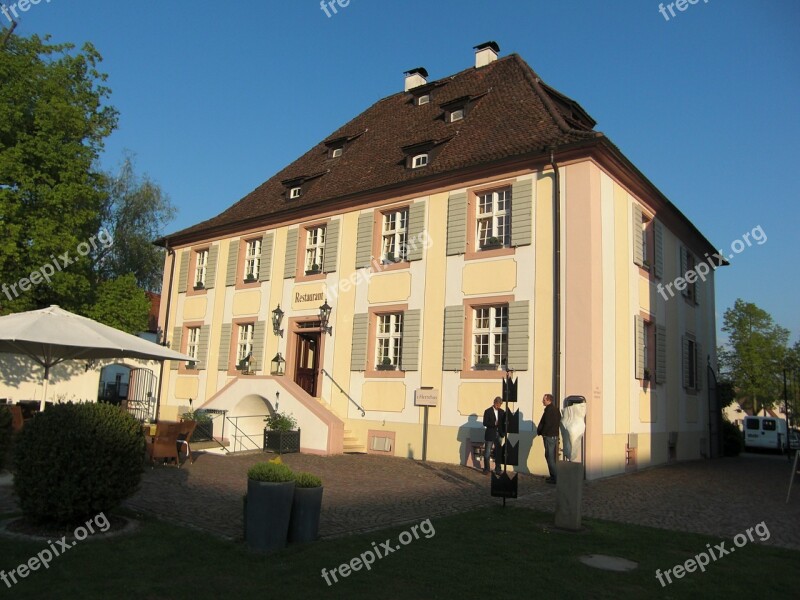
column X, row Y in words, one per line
column 765, row 432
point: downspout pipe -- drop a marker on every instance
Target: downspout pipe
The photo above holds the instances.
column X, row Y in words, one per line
column 171, row 253
column 556, row 385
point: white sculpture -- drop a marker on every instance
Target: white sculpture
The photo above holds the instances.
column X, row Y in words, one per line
column 573, row 426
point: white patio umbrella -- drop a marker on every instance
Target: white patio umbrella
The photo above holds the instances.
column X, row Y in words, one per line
column 52, row 335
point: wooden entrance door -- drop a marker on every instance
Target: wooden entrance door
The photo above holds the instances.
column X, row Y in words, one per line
column 307, row 362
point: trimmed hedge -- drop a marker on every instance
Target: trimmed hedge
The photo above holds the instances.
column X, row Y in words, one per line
column 73, row 461
column 271, row 472
column 5, row 434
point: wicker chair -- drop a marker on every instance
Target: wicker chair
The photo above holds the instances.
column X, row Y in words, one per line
column 164, row 444
column 184, row 437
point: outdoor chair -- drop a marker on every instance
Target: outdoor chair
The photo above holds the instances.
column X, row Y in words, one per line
column 184, row 437
column 164, row 444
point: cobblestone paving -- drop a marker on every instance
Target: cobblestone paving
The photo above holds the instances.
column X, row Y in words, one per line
column 364, row 492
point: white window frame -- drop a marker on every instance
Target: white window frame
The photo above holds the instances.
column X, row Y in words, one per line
column 424, row 99
column 495, row 222
column 394, row 235
column 200, row 269
column 490, row 324
column 244, row 345
column 419, row 161
column 315, row 246
column 192, row 342
column 389, row 338
column 295, row 192
column 457, row 115
column 252, row 259
column 337, row 152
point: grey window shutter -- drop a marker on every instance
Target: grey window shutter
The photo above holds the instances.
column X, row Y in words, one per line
column 698, row 290
column 211, row 267
column 659, row 249
column 290, row 266
column 202, row 347
column 265, row 267
column 700, row 367
column 518, row 338
column 521, row 213
column 638, row 247
column 358, row 355
column 364, row 239
column 223, row 360
column 457, row 224
column 233, row 260
column 177, row 334
column 686, row 358
column 452, row 358
column 416, row 229
column 684, row 268
column 661, row 354
column 331, row 247
column 640, row 343
column 183, row 273
column 259, row 339
column 409, row 360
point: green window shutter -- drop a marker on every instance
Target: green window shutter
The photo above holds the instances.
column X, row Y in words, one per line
column 659, row 249
column 518, row 337
column 224, row 347
column 331, row 247
column 685, row 360
column 290, row 266
column 358, row 355
column 211, row 267
column 259, row 339
column 233, row 260
column 457, row 224
column 183, row 272
column 640, row 344
column 661, row 354
column 452, row 358
column 522, row 213
column 700, row 367
column 364, row 239
column 177, row 334
column 416, row 229
column 265, row 268
column 409, row 360
column 638, row 246
column 684, row 268
column 202, row 347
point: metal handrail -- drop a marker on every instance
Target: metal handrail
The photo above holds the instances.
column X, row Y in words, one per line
column 213, row 413
column 363, row 412
column 237, row 438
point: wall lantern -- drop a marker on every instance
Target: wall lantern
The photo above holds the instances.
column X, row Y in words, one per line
column 278, row 364
column 277, row 319
column 324, row 315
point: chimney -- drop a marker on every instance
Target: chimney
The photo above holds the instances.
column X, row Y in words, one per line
column 486, row 53
column 415, row 78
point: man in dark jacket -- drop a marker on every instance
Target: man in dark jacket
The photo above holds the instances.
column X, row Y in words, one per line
column 494, row 421
column 548, row 429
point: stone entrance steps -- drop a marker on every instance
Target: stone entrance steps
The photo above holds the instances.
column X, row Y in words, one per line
column 353, row 444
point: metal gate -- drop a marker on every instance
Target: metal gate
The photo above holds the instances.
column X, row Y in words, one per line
column 714, row 415
column 141, row 394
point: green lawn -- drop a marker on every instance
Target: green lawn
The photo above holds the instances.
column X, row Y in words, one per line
column 507, row 553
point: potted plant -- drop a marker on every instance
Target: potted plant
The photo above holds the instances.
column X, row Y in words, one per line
column 306, row 508
column 315, row 268
column 204, row 430
column 280, row 435
column 386, row 364
column 484, row 364
column 491, row 243
column 199, row 285
column 270, row 491
column 646, row 374
column 250, row 278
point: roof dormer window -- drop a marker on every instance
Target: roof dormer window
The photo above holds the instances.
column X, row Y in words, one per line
column 422, row 154
column 337, row 152
column 420, row 160
column 295, row 192
column 457, row 115
column 424, row 99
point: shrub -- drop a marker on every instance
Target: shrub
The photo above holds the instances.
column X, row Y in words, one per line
column 281, row 422
column 73, row 461
column 307, row 480
column 732, row 443
column 5, row 434
column 271, row 472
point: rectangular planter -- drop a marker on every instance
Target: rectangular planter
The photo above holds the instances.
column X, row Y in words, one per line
column 282, row 442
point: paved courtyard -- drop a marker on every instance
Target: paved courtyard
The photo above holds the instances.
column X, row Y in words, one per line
column 364, row 492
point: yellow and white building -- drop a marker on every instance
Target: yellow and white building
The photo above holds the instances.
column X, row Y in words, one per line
column 427, row 225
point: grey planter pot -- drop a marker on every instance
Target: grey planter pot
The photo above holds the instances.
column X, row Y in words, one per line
column 268, row 510
column 306, row 508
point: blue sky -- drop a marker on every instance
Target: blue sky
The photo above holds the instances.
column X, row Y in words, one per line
column 216, row 97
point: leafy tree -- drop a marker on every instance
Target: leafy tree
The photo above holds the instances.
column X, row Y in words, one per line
column 53, row 123
column 135, row 214
column 754, row 355
column 121, row 304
